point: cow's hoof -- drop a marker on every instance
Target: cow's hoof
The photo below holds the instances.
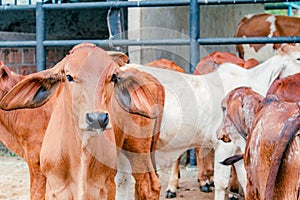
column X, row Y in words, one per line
column 233, row 198
column 212, row 184
column 170, row 194
column 205, row 188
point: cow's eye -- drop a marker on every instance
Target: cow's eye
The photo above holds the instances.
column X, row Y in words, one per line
column 298, row 59
column 69, row 78
column 223, row 108
column 114, row 78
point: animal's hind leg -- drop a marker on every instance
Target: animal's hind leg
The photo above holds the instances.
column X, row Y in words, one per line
column 205, row 163
column 174, row 179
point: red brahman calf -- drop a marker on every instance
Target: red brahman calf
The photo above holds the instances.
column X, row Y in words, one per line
column 210, row 62
column 22, row 131
column 99, row 110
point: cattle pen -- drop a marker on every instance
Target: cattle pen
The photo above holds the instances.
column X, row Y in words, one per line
column 193, row 42
column 40, row 43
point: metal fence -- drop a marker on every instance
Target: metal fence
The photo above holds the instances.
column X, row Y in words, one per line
column 195, row 40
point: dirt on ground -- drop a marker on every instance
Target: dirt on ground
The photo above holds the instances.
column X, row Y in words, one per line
column 14, row 181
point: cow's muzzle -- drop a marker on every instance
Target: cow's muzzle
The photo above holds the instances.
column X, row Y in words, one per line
column 97, row 121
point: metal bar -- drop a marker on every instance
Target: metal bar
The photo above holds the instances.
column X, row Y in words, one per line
column 160, row 42
column 124, row 4
column 16, row 7
column 40, row 37
column 155, row 3
column 19, row 43
column 118, row 42
column 194, row 34
column 290, row 10
column 248, row 40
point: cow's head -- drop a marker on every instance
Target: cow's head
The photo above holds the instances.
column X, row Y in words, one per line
column 8, row 79
column 239, row 108
column 88, row 77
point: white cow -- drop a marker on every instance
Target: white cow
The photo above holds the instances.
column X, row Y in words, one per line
column 192, row 112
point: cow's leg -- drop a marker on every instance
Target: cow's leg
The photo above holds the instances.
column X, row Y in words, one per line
column 174, row 179
column 241, row 174
column 123, row 178
column 147, row 185
column 221, row 172
column 37, row 180
column 205, row 160
column 233, row 185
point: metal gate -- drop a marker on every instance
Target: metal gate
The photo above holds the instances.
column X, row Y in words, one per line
column 194, row 41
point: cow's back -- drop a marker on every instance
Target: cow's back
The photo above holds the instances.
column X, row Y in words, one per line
column 261, row 145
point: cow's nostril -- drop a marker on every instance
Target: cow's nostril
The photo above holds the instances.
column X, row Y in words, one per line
column 103, row 120
column 97, row 120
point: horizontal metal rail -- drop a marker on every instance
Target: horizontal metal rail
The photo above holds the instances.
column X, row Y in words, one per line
column 158, row 42
column 129, row 4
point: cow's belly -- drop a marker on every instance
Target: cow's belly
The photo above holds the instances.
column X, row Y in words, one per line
column 185, row 124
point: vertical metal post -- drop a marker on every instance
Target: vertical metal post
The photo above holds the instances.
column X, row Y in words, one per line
column 194, row 52
column 40, row 37
column 290, row 9
column 194, row 34
column 116, row 24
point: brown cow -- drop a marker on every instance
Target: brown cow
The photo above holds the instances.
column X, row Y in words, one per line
column 286, row 89
column 166, row 64
column 23, row 134
column 265, row 25
column 272, row 153
column 242, row 106
column 22, row 131
column 87, row 129
column 210, row 62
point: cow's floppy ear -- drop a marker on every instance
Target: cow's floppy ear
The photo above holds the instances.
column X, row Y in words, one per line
column 137, row 95
column 120, row 58
column 235, row 113
column 30, row 93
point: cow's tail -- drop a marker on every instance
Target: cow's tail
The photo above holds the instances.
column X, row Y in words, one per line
column 233, row 159
column 287, row 135
column 158, row 123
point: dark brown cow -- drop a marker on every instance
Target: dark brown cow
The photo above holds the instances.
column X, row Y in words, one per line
column 98, row 110
column 265, row 25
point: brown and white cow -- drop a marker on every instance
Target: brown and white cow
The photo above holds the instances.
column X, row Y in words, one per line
column 265, row 25
column 87, row 127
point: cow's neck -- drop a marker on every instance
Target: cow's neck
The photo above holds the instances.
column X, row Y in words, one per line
column 262, row 76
